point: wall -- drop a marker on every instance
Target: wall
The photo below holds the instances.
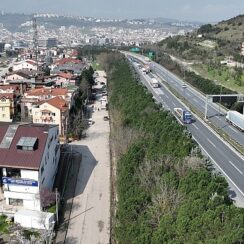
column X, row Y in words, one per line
column 14, row 77
column 38, row 117
column 29, row 194
column 5, row 110
column 50, row 159
column 23, row 65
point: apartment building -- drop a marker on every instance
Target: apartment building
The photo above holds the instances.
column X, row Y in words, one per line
column 7, row 107
column 53, row 111
column 29, row 156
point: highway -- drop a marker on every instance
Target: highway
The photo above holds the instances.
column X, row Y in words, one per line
column 198, row 100
column 225, row 159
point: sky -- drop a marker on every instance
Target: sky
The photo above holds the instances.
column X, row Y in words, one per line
column 198, row 10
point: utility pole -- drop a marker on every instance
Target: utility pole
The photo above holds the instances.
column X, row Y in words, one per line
column 220, row 99
column 56, row 193
column 35, row 41
column 206, row 108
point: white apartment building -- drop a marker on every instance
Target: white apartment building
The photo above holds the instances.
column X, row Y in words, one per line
column 29, row 156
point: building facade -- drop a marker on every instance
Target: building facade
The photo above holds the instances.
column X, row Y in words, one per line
column 29, row 156
column 7, row 107
column 54, row 111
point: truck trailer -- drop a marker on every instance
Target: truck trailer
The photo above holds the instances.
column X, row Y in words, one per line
column 236, row 119
column 184, row 115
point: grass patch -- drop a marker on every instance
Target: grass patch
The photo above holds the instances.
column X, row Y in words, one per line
column 3, row 224
column 96, row 66
column 29, row 233
column 52, row 209
column 223, row 76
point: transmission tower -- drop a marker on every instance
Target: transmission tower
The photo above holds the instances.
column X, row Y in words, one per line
column 35, row 40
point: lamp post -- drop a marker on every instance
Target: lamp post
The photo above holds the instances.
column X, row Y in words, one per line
column 220, row 98
column 57, row 202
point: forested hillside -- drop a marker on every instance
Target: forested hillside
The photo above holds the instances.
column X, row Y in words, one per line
column 166, row 192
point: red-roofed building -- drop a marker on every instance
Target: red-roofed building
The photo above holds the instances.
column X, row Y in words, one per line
column 29, row 156
column 25, row 65
column 63, row 79
column 53, row 111
column 10, row 89
column 41, row 94
column 67, row 61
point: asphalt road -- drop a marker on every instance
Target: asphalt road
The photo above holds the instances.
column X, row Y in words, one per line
column 198, row 100
column 226, row 160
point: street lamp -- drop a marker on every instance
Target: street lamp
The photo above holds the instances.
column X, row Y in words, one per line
column 220, row 98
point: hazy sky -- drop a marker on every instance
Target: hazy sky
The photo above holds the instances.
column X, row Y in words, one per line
column 200, row 10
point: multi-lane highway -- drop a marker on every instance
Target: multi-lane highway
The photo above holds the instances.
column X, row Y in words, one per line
column 227, row 160
column 198, row 101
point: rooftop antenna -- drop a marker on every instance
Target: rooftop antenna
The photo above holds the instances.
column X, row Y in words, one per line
column 35, row 40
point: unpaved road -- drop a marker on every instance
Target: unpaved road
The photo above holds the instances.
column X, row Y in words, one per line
column 90, row 216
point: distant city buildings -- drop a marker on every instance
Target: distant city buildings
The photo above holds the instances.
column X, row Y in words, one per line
column 103, row 32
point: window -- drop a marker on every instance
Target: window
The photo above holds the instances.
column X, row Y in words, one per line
column 3, row 108
column 13, row 173
column 3, row 115
column 37, row 120
column 42, row 170
column 53, row 114
column 27, row 143
column 50, row 141
column 15, row 202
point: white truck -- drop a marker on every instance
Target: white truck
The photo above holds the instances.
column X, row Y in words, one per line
column 154, row 82
column 236, row 119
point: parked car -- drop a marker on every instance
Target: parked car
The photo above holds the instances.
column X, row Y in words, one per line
column 91, row 122
column 105, row 118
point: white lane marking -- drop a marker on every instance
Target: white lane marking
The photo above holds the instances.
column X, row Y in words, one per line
column 195, row 126
column 242, row 193
column 211, row 143
column 236, row 168
column 166, row 96
column 232, row 129
column 173, row 103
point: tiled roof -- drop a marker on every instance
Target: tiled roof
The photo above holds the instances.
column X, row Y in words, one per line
column 12, row 157
column 31, row 62
column 65, row 75
column 56, row 102
column 47, row 91
column 7, row 95
column 6, row 87
column 67, row 60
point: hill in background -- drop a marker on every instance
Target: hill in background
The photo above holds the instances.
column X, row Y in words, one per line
column 214, row 51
